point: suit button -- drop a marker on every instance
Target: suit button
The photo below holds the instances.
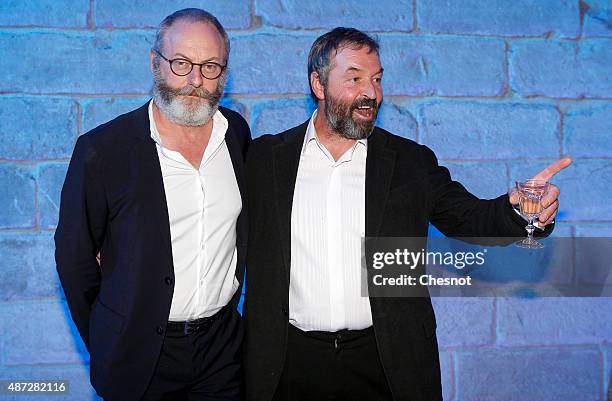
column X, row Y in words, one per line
column 160, row 330
column 284, row 311
column 168, row 280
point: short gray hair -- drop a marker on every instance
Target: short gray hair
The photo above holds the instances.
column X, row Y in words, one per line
column 190, row 15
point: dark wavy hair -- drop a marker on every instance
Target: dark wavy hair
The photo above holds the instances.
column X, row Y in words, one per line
column 325, row 48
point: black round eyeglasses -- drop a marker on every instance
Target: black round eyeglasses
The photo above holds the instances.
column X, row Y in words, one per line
column 182, row 67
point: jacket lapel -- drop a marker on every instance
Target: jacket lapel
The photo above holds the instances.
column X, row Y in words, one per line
column 379, row 170
column 286, row 158
column 145, row 155
column 235, row 151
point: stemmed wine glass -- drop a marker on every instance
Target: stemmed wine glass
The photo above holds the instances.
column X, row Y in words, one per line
column 530, row 206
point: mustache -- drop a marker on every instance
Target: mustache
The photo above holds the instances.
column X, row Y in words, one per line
column 193, row 91
column 365, row 102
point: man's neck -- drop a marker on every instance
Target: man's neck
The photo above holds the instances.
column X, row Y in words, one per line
column 189, row 141
column 335, row 144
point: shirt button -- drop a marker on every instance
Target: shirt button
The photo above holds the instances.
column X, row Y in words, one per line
column 168, row 280
column 159, row 329
column 284, row 311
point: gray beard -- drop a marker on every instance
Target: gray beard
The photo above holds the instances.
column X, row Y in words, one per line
column 168, row 101
column 340, row 119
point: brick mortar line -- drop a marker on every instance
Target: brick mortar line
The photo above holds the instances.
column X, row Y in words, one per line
column 595, row 222
column 33, row 163
column 546, row 36
column 40, row 298
column 51, row 366
column 574, row 276
column 37, row 198
column 455, row 365
column 20, row 230
column 91, row 19
column 270, row 96
column 561, row 130
column 495, row 323
column 79, row 122
column 29, row 232
column 499, row 99
column 606, row 365
column 604, row 379
column 415, row 20
column 255, row 21
column 42, row 365
column 417, row 130
column 273, row 28
column 279, row 31
column 526, row 158
column 508, row 184
column 565, row 346
column 470, row 349
column 70, row 28
column 582, row 8
column 507, row 89
column 108, row 29
column 26, row 302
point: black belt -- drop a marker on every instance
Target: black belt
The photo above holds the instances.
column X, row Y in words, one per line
column 196, row 325
column 335, row 337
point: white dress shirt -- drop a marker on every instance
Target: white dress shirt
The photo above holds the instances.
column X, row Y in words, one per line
column 203, row 207
column 327, row 224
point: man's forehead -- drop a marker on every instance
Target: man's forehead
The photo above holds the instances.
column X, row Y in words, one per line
column 356, row 57
column 192, row 34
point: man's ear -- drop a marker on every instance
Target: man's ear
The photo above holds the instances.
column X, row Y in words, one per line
column 317, row 86
column 151, row 58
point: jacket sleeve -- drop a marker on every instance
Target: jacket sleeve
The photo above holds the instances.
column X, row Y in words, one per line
column 80, row 233
column 458, row 213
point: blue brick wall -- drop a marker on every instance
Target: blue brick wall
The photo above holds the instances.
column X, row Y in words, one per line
column 498, row 89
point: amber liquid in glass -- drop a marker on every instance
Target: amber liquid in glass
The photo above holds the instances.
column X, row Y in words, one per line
column 530, row 208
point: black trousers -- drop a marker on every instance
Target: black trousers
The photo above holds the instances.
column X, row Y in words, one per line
column 205, row 364
column 338, row 366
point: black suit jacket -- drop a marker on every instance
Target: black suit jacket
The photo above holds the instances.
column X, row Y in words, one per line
column 113, row 201
column 406, row 189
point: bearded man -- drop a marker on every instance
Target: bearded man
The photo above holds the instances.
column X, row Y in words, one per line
column 314, row 192
column 159, row 195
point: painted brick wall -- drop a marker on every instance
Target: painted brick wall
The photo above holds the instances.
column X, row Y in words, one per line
column 498, row 89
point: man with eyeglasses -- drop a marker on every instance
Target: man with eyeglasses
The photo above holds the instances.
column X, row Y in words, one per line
column 151, row 240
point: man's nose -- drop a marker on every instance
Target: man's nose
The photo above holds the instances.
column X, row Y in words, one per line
column 195, row 77
column 368, row 90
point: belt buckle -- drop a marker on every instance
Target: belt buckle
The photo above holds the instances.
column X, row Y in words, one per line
column 190, row 328
column 196, row 325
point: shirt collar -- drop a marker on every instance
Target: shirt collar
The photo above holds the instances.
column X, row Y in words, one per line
column 312, row 137
column 153, row 126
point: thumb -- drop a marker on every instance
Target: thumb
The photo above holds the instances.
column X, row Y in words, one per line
column 514, row 196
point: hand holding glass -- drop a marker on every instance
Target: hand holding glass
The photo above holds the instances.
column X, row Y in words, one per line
column 530, row 206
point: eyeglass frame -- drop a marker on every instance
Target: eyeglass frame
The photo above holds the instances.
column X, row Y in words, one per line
column 170, row 61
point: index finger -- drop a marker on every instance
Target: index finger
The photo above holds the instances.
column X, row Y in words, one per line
column 553, row 169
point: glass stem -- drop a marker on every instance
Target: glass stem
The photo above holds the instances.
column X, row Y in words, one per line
column 530, row 228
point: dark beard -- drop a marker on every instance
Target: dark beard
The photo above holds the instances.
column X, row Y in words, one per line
column 340, row 117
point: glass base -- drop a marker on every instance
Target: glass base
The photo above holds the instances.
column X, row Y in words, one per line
column 529, row 243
